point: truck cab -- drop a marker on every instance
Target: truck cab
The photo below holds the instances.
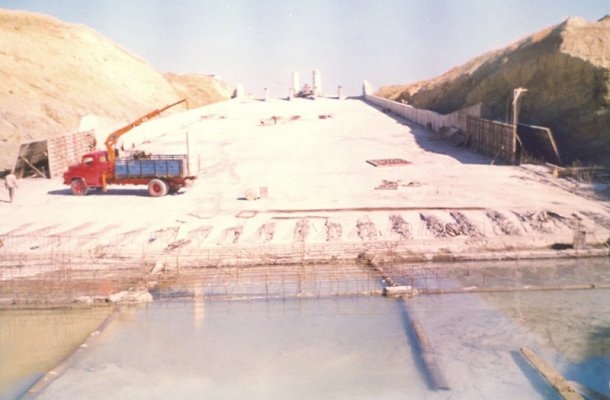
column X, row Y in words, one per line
column 88, row 173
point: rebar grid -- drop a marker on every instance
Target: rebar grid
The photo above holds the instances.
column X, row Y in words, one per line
column 66, row 278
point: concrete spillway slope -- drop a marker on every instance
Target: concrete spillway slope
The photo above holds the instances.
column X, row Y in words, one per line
column 307, row 161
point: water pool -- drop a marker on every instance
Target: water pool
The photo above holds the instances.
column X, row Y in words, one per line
column 340, row 347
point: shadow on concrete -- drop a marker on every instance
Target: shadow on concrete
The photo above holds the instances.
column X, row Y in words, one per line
column 602, row 191
column 539, row 384
column 424, row 137
column 432, row 377
column 110, row 192
column 589, row 374
column 414, row 344
column 427, row 141
column 60, row 192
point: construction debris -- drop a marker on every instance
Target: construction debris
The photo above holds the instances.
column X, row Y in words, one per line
column 539, row 221
column 580, row 173
column 301, row 230
column 232, row 235
column 388, row 162
column 456, row 136
column 366, row 229
column 505, row 226
column 388, row 185
column 177, row 244
column 438, row 228
column 275, row 119
column 599, row 219
column 413, row 184
column 266, row 232
column 465, row 225
column 200, row 234
column 400, row 226
column 163, row 235
column 334, row 231
column 250, row 195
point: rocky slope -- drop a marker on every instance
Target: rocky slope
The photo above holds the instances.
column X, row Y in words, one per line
column 566, row 71
column 52, row 74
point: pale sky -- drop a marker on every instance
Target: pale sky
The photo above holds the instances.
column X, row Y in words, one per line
column 259, row 43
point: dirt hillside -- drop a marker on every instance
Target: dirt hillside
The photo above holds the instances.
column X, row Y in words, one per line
column 53, row 73
column 566, row 71
column 199, row 89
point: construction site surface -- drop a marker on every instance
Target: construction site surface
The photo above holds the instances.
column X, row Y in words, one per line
column 284, row 182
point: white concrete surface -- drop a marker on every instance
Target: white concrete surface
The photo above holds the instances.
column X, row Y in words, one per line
column 312, row 159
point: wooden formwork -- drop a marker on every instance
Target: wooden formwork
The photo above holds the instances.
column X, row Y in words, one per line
column 492, row 138
column 499, row 140
column 53, row 154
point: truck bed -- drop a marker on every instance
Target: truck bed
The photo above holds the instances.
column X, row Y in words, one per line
column 163, row 166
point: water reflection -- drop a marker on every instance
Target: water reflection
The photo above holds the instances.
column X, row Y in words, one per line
column 198, row 308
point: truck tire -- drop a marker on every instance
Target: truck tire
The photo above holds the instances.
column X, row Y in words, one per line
column 79, row 187
column 157, row 188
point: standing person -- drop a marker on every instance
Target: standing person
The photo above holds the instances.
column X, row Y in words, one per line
column 10, row 181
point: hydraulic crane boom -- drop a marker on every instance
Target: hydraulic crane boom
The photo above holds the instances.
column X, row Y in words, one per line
column 114, row 136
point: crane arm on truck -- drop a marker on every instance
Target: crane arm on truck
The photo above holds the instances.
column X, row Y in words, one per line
column 114, row 136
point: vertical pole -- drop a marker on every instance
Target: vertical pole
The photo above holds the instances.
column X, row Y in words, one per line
column 188, row 154
column 295, row 82
column 516, row 93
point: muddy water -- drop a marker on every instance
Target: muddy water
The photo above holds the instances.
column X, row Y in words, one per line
column 34, row 341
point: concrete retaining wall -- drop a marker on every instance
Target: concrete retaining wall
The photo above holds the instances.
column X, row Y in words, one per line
column 427, row 118
column 492, row 138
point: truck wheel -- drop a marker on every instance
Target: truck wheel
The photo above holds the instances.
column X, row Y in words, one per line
column 79, row 188
column 157, row 188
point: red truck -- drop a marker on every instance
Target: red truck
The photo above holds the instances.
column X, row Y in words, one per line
column 162, row 173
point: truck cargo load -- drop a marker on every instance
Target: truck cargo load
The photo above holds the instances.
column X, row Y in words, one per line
column 164, row 166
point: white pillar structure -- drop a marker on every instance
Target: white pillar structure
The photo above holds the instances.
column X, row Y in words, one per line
column 317, row 83
column 295, row 82
column 266, row 95
column 238, row 93
column 340, row 93
column 367, row 88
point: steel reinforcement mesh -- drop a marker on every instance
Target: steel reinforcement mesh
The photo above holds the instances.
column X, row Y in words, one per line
column 70, row 279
